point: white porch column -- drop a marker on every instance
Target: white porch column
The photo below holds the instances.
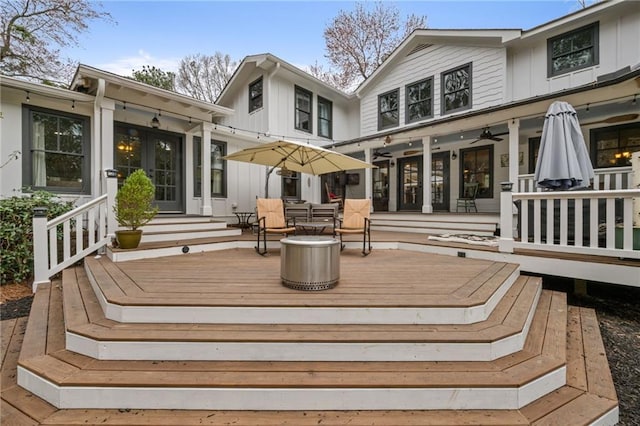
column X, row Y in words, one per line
column 505, row 244
column 368, row 177
column 40, row 248
column 205, row 155
column 514, row 159
column 427, row 206
column 111, row 178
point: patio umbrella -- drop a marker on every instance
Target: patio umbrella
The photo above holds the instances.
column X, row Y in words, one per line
column 297, row 157
column 563, row 161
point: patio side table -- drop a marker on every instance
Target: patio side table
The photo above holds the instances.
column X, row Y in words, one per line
column 309, row 262
column 243, row 219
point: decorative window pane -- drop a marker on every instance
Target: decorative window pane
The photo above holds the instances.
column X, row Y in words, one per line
column 325, row 113
column 477, row 166
column 456, row 89
column 303, row 109
column 56, row 147
column 388, row 115
column 419, row 100
column 612, row 146
column 255, row 95
column 218, row 168
column 574, row 50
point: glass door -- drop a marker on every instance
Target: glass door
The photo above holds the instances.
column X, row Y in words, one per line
column 159, row 155
column 440, row 181
column 410, row 183
column 380, row 190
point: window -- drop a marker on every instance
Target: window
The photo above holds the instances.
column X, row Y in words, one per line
column 303, row 110
column 291, row 188
column 218, row 166
column 477, row 166
column 456, row 89
column 534, row 148
column 325, row 120
column 56, row 149
column 388, row 109
column 612, row 146
column 255, row 95
column 573, row 50
column 419, row 98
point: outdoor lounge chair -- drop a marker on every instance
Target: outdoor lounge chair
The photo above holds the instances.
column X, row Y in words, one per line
column 468, row 199
column 331, row 197
column 270, row 217
column 356, row 221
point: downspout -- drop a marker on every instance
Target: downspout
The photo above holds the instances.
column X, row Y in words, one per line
column 269, row 78
column 99, row 186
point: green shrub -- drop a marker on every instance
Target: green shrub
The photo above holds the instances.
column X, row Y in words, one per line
column 16, row 232
column 134, row 201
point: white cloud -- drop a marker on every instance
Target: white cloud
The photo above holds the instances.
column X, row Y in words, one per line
column 124, row 66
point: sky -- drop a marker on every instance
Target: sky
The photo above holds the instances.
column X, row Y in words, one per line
column 160, row 33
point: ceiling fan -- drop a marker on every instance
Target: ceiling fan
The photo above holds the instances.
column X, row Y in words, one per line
column 378, row 153
column 486, row 134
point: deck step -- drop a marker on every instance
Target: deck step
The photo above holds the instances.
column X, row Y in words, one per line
column 70, row 380
column 216, row 293
column 90, row 333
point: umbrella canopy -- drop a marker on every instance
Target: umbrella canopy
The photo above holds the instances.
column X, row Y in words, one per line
column 298, row 157
column 563, row 160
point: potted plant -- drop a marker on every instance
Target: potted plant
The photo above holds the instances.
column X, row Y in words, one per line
column 134, row 208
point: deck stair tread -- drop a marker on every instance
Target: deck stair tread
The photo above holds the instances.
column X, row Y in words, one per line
column 85, row 317
column 539, row 358
column 575, row 403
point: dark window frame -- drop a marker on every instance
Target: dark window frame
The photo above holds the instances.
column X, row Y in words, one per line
column 396, row 109
column 297, row 122
column 534, row 147
column 594, row 151
column 482, row 192
column 256, row 102
column 443, row 92
column 197, row 163
column 407, row 117
column 27, row 149
column 329, row 120
column 594, row 28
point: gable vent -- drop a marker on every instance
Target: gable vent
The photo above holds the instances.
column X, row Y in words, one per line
column 419, row 48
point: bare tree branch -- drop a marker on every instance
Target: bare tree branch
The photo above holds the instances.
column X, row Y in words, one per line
column 204, row 77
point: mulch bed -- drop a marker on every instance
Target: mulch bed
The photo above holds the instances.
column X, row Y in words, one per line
column 618, row 310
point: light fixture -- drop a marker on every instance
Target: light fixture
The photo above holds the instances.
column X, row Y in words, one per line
column 155, row 123
column 387, row 140
column 73, row 104
column 587, row 107
column 28, row 98
column 392, row 163
column 189, row 120
column 633, row 102
column 454, row 155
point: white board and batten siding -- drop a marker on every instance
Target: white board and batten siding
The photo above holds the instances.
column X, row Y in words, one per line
column 488, row 68
column 619, row 42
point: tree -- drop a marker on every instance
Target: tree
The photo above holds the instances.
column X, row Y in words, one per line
column 204, row 77
column 33, row 31
column 155, row 77
column 359, row 41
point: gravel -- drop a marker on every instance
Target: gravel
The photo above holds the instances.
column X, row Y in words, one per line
column 618, row 310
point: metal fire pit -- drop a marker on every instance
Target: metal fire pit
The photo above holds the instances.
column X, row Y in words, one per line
column 310, row 263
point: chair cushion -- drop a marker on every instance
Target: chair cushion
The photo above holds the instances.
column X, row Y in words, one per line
column 355, row 211
column 272, row 209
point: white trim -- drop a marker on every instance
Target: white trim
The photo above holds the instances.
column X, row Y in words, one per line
column 609, row 419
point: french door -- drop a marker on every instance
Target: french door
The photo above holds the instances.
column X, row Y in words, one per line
column 159, row 154
column 380, row 182
column 410, row 183
column 440, row 181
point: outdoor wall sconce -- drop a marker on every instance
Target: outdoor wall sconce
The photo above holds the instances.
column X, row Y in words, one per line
column 454, row 155
column 506, row 186
column 155, row 123
column 392, row 163
column 111, row 173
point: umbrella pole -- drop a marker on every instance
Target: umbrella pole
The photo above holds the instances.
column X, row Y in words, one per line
column 266, row 185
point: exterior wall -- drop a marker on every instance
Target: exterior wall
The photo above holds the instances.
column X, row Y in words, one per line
column 619, row 40
column 488, row 70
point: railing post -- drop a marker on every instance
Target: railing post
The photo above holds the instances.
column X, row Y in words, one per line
column 40, row 248
column 505, row 244
column 112, row 188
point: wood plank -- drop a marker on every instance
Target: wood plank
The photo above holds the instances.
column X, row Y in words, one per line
column 73, row 306
column 9, row 415
column 28, row 403
column 55, row 324
column 576, row 369
column 35, row 339
column 583, row 410
column 6, row 333
column 92, row 307
column 555, row 342
column 550, row 402
column 599, row 377
column 12, row 352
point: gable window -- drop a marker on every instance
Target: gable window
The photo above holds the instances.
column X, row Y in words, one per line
column 456, row 89
column 325, row 118
column 388, row 109
column 303, row 110
column 612, row 146
column 56, row 149
column 218, row 168
column 419, row 98
column 255, row 95
column 573, row 50
column 477, row 166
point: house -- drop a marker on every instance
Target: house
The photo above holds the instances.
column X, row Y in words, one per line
column 448, row 107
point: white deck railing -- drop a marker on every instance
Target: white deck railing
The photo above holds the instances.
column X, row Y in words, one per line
column 604, row 179
column 87, row 223
column 583, row 222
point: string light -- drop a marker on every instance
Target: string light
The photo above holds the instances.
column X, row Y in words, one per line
column 73, row 104
column 28, row 98
column 124, row 106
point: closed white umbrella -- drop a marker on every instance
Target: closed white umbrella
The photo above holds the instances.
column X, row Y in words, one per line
column 298, row 157
column 563, row 160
